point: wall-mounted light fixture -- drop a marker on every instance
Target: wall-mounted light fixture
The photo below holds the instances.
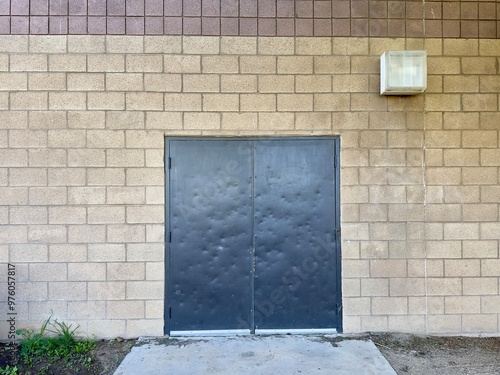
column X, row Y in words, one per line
column 403, row 72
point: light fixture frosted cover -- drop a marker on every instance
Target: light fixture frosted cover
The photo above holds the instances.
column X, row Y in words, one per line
column 403, row 72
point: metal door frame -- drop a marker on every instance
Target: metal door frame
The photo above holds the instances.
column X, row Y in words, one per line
column 168, row 203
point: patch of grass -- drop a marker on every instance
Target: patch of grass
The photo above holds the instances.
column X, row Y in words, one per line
column 55, row 341
column 8, row 370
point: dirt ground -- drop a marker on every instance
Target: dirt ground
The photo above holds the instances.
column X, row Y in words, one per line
column 407, row 354
column 429, row 355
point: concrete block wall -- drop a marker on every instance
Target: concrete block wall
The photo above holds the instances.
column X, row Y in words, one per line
column 82, row 127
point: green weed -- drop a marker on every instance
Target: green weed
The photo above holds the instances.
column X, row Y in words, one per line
column 8, row 370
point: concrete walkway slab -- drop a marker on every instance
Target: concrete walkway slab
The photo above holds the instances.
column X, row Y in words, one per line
column 254, row 355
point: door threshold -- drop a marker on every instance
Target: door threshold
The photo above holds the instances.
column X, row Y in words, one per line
column 216, row 332
column 307, row 331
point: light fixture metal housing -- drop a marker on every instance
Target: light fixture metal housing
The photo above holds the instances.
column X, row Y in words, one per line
column 403, row 72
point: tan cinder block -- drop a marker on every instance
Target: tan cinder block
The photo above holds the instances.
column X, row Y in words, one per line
column 124, row 120
column 144, row 139
column 87, row 310
column 135, row 328
column 258, row 64
column 479, row 65
column 200, row 83
column 126, row 271
column 480, row 286
column 462, row 305
column 443, row 102
column 67, row 215
column 182, row 102
column 67, row 100
column 332, row 65
column 444, row 286
column 276, row 46
column 27, row 177
column 313, row 121
column 28, row 215
column 32, row 291
column 442, row 212
column 489, row 47
column 444, row 249
column 238, row 45
column 155, row 234
column 105, row 176
column 106, row 215
column 68, row 291
column 203, row 121
column 389, row 305
column 462, row 268
column 140, row 101
column 443, row 176
column 257, row 102
column 239, row 83
column 373, row 212
column 145, row 214
column 106, row 101
column 355, row 194
column 67, row 63
column 63, row 138
column 376, row 322
column 489, row 83
column 490, row 304
column 365, row 64
column 480, row 249
column 154, row 309
column 388, row 268
column 181, row 64
column 106, row 253
column 47, row 44
column 86, row 233
column 407, row 323
column 220, row 64
column 443, row 139
column 106, row 63
column 125, row 309
column 295, row 102
column 479, row 176
column 461, row 120
column 374, row 287
column 125, row 195
column 105, row 139
column 4, row 62
column 28, row 63
column 480, row 139
column 13, row 81
column 351, row 288
column 461, row 194
column 387, row 194
column 444, row 323
column 144, row 63
column 86, row 271
column 395, row 157
column 46, row 158
column 106, row 290
column 461, row 84
column 47, row 196
column 13, row 120
column 461, row 47
column 350, row 46
column 347, row 83
column 479, row 102
column 368, row 102
column 164, row 120
column 480, row 212
column 405, row 139
column 27, row 253
column 461, row 157
column 239, row 121
column 276, row 121
column 479, row 323
column 86, row 81
column 124, row 44
column 86, row 195
column 86, row 120
column 313, row 83
column 356, row 306
column 490, row 157
column 86, row 158
column 443, row 65
column 162, row 44
column 14, row 43
column 152, row 252
column 331, row 102
column 47, row 81
column 29, row 100
column 461, row 231
column 68, row 253
column 489, row 231
column 144, row 290
column 107, row 328
column 47, row 120
column 406, row 212
column 163, row 82
column 155, row 195
column 86, row 44
column 220, row 102
column 155, row 271
column 276, row 83
column 200, row 45
column 23, row 139
column 313, row 46
column 117, row 233
column 295, row 64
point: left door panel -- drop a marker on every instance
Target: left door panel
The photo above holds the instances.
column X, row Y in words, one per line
column 210, row 251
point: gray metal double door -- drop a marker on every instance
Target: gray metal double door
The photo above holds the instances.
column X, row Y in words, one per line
column 252, row 235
